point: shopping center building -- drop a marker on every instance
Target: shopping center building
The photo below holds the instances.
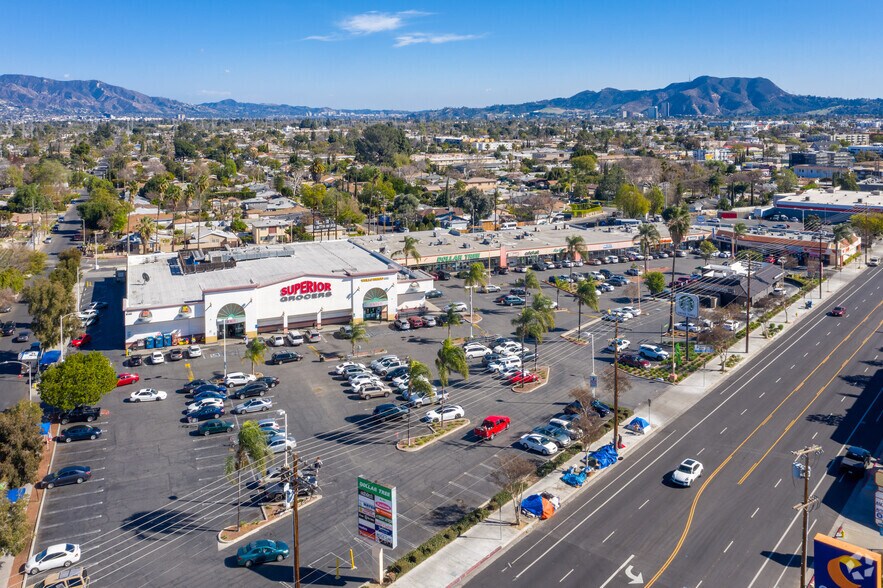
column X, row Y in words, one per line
column 245, row 291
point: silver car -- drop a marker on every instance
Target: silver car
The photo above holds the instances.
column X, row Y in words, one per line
column 253, row 405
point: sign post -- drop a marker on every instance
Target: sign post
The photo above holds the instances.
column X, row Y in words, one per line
column 687, row 306
column 377, row 518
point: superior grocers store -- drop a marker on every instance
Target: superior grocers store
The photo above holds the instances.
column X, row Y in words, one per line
column 237, row 292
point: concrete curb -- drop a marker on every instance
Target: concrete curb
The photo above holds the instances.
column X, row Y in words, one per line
column 431, row 441
column 534, row 385
column 222, row 544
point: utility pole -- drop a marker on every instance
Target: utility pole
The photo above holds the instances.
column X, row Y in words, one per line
column 748, row 304
column 616, row 386
column 292, row 483
column 820, row 260
column 809, row 502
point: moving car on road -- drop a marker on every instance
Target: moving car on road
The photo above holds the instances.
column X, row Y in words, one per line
column 688, row 472
column 838, row 311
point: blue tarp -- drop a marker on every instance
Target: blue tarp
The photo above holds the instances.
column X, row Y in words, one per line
column 14, row 494
column 603, row 457
column 533, row 504
column 638, row 422
column 44, row 428
column 571, row 478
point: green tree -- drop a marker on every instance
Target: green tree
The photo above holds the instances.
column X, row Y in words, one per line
column 529, row 324
column 254, row 352
column 869, row 226
column 786, row 181
column 476, row 276
column 655, row 282
column 611, row 180
column 532, row 283
column 678, row 226
column 15, row 529
column 82, row 378
column 576, row 245
column 841, row 232
column 317, row 169
column 12, row 278
column 36, row 262
column 48, row 301
column 450, row 359
column 237, row 225
column 631, row 202
column 250, row 454
column 647, row 239
column 584, row 164
column 358, row 333
column 452, row 318
column 475, row 203
column 28, row 198
column 848, row 181
column 739, row 230
column 656, row 199
column 586, row 293
column 409, row 248
column 22, row 444
column 145, row 229
column 707, row 249
column 381, row 143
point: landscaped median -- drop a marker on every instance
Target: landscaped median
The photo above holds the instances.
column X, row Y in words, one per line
column 271, row 513
column 542, row 372
column 418, row 442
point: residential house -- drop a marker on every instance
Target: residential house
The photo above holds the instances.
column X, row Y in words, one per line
column 268, row 231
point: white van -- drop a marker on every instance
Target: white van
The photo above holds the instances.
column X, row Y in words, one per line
column 276, row 340
column 295, row 338
column 874, row 261
column 510, row 226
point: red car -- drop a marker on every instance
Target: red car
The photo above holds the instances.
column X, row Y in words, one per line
column 83, row 339
column 524, row 378
column 416, row 322
column 838, row 311
column 126, row 379
column 491, row 427
column 634, row 361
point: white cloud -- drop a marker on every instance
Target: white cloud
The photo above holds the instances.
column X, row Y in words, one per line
column 372, row 22
column 324, row 38
column 433, row 39
column 226, row 71
column 66, row 76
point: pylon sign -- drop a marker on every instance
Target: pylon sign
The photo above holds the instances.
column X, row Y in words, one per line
column 839, row 564
column 687, row 305
column 377, row 513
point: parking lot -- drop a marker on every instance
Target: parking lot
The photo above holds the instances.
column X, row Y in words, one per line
column 158, row 495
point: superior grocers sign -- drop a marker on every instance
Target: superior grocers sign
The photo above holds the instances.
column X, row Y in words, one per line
column 305, row 290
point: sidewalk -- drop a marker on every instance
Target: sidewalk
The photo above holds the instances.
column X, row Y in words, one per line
column 856, row 521
column 455, row 562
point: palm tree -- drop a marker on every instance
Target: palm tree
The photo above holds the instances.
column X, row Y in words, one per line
column 647, row 239
column 575, row 245
column 739, row 230
column 475, row 277
column 586, row 293
column 450, row 359
column 418, row 383
column 841, row 232
column 251, row 454
column 254, row 352
column 409, row 248
column 528, row 323
column 163, row 187
column 145, row 230
column 358, row 333
column 452, row 318
column 173, row 197
column 201, row 187
column 189, row 196
column 531, row 282
column 678, row 226
column 545, row 314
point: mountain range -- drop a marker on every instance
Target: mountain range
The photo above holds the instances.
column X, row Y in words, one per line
column 23, row 96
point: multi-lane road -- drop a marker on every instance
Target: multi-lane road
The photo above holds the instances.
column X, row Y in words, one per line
column 818, row 384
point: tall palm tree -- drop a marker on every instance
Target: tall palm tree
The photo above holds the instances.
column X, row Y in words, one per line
column 545, row 314
column 647, row 239
column 531, row 282
column 254, row 352
column 528, row 324
column 841, row 232
column 575, row 245
column 145, row 230
column 132, row 187
column 358, row 333
column 251, row 453
column 475, row 277
column 739, row 230
column 188, row 197
column 201, row 187
column 419, row 382
column 452, row 319
column 409, row 248
column 678, row 225
column 173, row 198
column 163, row 187
column 586, row 293
column 450, row 359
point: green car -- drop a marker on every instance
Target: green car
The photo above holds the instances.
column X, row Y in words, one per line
column 261, row 551
column 214, row 426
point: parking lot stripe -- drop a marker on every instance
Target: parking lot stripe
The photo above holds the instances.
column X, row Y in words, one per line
column 84, row 450
column 52, row 512
column 83, row 534
column 213, row 456
column 53, row 525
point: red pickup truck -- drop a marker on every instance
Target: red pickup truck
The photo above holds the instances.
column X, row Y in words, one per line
column 491, row 426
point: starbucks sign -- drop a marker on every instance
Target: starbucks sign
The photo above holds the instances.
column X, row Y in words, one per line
column 687, row 305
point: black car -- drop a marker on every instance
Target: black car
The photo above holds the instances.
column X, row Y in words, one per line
column 434, row 294
column 8, row 328
column 856, row 461
column 78, row 433
column 194, row 384
column 605, row 272
column 64, row 476
column 270, row 381
column 253, row 389
column 136, row 360
column 389, row 411
column 79, row 414
column 284, row 357
column 22, row 337
column 176, row 354
column 502, row 271
column 602, row 409
column 442, row 275
column 518, row 292
column 399, row 371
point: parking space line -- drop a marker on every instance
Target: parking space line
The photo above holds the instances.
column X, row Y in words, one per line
column 609, row 536
column 52, row 512
column 83, row 534
column 779, row 380
column 212, row 456
column 777, row 483
column 99, row 491
column 755, row 512
column 198, row 468
column 53, row 525
column 204, row 448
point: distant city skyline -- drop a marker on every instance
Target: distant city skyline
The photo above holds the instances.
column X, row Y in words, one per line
column 410, row 56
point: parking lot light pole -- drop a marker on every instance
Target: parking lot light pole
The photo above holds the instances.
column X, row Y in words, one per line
column 225, row 348
column 30, row 387
column 61, row 332
column 284, row 414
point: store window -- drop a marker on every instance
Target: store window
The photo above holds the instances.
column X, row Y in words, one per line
column 375, row 304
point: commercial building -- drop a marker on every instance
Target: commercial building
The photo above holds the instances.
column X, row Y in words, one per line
column 830, row 204
column 205, row 296
column 803, row 246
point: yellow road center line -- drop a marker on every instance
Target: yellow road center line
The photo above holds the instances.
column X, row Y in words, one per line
column 717, row 470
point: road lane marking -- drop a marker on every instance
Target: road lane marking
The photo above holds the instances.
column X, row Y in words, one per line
column 727, row 548
column 565, row 576
column 614, row 574
column 643, row 505
column 700, row 452
column 608, row 536
column 761, row 394
column 755, row 512
column 743, row 412
column 814, row 435
column 722, row 432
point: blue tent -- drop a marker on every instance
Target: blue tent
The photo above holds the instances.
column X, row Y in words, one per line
column 603, row 457
column 638, row 424
column 537, row 505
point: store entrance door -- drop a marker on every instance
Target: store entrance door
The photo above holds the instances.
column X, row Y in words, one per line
column 373, row 313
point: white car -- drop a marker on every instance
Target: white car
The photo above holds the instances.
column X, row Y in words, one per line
column 194, row 351
column 61, row 555
column 239, row 379
column 253, row 405
column 281, row 443
column 732, row 325
column 87, row 314
column 624, row 313
column 342, row 367
column 147, row 395
column 419, row 399
column 157, row 357
column 194, row 406
column 449, row 412
column 456, row 307
column 406, row 394
column 489, row 288
column 475, row 350
column 429, row 321
column 631, row 310
column 367, row 385
column 618, row 344
column 688, row 472
column 605, row 287
column 689, row 327
column 538, row 443
column 374, row 364
column 362, row 377
column 391, row 366
column 511, row 348
column 276, row 341
column 508, row 373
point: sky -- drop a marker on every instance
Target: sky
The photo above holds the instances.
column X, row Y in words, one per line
column 414, row 56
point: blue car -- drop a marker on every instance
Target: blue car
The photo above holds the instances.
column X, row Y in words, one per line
column 208, row 388
column 210, row 394
column 78, row 433
column 204, row 413
column 261, row 551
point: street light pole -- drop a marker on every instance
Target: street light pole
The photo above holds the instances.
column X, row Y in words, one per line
column 61, row 332
column 225, row 348
column 285, row 432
